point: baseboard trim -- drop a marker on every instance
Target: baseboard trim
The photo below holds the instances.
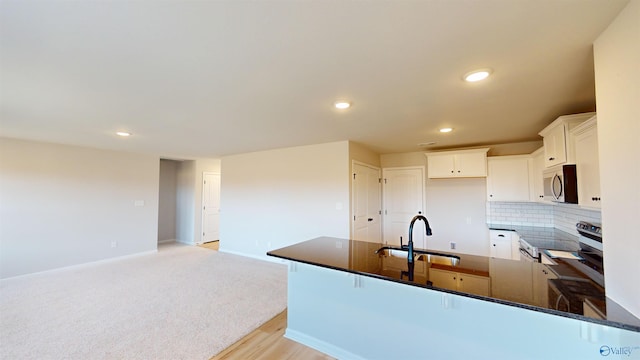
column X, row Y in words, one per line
column 322, row 346
column 84, row 265
column 166, row 241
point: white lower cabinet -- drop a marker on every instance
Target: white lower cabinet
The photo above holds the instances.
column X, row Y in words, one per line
column 501, row 244
column 541, row 276
column 458, row 281
column 511, row 280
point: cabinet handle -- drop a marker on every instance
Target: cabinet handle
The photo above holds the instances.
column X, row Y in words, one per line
column 458, row 171
column 494, row 245
column 452, row 171
column 501, row 235
column 551, row 158
column 491, row 195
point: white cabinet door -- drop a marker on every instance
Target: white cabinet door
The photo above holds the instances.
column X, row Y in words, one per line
column 541, row 276
column 555, row 147
column 471, row 164
column 536, row 178
column 441, row 166
column 500, row 244
column 512, row 280
column 443, row 279
column 508, row 178
column 587, row 164
column 478, row 285
column 459, row 163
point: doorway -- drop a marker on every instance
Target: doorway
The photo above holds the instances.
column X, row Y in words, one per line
column 210, row 207
column 403, row 198
column 366, row 200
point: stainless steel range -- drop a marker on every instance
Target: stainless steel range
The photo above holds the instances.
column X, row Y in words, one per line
column 569, row 293
column 591, row 251
column 534, row 240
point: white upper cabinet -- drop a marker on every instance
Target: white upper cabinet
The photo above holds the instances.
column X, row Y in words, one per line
column 508, row 178
column 587, row 163
column 556, row 138
column 555, row 149
column 536, row 179
column 456, row 164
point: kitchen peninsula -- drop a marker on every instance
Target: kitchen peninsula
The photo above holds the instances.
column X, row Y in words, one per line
column 349, row 300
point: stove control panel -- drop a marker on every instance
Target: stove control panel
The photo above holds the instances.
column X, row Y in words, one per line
column 593, row 229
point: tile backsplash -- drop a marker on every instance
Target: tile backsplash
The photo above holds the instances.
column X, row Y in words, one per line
column 560, row 216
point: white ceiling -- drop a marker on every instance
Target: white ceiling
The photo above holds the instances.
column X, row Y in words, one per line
column 211, row 78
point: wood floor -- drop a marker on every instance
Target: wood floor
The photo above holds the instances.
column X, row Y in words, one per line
column 213, row 245
column 266, row 342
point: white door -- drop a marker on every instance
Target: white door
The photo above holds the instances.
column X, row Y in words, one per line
column 403, row 193
column 210, row 207
column 366, row 202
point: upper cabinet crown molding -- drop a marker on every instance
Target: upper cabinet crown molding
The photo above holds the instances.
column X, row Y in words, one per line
column 558, row 147
column 457, row 163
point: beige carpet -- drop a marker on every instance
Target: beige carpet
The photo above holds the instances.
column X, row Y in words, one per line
column 184, row 302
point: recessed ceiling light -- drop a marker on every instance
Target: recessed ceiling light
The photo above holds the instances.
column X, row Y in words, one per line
column 477, row 75
column 123, row 133
column 446, row 130
column 342, row 104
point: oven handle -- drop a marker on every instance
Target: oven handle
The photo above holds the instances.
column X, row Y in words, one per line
column 526, row 254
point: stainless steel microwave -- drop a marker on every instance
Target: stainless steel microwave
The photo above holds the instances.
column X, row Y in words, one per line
column 561, row 184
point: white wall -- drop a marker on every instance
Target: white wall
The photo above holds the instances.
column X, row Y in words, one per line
column 617, row 70
column 456, row 208
column 271, row 199
column 64, row 205
column 186, row 202
column 167, row 200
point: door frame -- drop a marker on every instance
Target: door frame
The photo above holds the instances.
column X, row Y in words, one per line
column 351, row 210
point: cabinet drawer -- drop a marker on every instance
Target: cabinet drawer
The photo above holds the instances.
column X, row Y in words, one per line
column 500, row 235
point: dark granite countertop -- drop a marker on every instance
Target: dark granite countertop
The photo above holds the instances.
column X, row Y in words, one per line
column 523, row 284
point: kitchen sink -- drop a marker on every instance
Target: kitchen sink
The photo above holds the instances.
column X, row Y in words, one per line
column 419, row 255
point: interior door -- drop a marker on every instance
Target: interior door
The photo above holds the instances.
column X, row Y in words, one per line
column 210, row 207
column 403, row 193
column 366, row 203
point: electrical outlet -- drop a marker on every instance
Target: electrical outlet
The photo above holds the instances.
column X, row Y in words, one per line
column 453, row 245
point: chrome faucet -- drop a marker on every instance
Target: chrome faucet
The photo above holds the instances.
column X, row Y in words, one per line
column 410, row 245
